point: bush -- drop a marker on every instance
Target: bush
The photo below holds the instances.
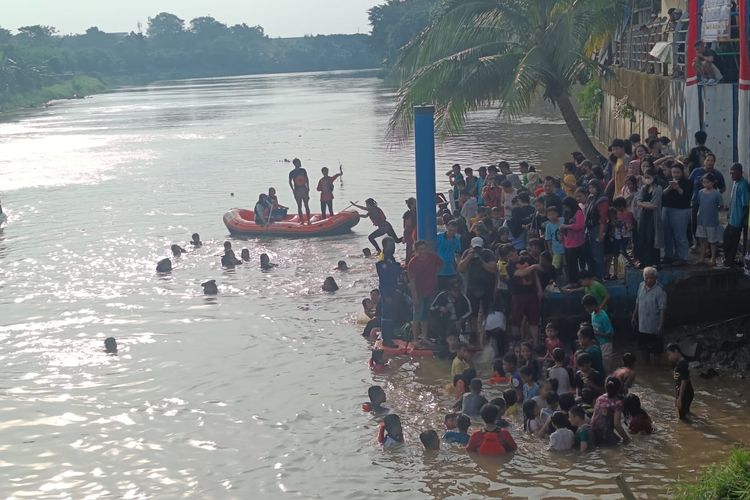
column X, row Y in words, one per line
column 727, row 480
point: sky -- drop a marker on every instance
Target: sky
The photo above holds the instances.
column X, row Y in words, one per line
column 280, row 18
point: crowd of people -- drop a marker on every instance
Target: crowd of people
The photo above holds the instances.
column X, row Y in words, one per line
column 510, row 236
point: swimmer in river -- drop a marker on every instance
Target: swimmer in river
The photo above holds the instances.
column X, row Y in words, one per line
column 177, row 250
column 265, row 262
column 210, row 288
column 342, row 266
column 196, row 241
column 430, row 440
column 377, row 398
column 164, row 266
column 329, row 285
column 110, row 346
column 390, row 433
column 377, row 217
column 229, row 259
column 366, row 253
column 299, row 183
column 245, row 255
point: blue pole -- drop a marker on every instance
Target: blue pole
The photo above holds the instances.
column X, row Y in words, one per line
column 424, row 149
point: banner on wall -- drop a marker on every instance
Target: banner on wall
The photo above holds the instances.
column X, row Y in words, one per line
column 716, row 23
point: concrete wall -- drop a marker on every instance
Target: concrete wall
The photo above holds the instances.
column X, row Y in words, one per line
column 660, row 102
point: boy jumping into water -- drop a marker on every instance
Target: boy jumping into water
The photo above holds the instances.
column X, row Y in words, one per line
column 300, row 186
column 325, row 186
column 378, row 219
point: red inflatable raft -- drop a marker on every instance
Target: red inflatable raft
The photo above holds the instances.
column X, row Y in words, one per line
column 242, row 223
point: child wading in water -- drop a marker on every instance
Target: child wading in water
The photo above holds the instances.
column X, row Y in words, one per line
column 378, row 219
column 390, row 433
column 683, row 386
column 491, row 440
column 325, row 186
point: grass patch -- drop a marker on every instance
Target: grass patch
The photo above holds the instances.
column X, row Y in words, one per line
column 728, row 480
column 78, row 86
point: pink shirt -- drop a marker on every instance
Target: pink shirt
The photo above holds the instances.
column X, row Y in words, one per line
column 575, row 235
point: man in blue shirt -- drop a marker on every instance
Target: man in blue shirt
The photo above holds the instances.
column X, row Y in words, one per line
column 738, row 214
column 448, row 247
column 696, row 177
column 388, row 272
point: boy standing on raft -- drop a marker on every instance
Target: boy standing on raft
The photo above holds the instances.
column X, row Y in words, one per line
column 300, row 186
column 325, row 187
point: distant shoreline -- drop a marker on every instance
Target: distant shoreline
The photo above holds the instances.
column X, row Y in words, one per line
column 83, row 86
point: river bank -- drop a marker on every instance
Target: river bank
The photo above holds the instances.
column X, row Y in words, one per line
column 77, row 87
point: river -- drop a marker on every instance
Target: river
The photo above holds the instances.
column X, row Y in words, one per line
column 255, row 393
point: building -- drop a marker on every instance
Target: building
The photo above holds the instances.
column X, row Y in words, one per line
column 653, row 80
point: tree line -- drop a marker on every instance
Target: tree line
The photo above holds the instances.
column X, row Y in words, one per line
column 37, row 56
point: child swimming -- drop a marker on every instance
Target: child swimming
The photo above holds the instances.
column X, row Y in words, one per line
column 491, row 440
column 390, row 432
column 461, row 434
column 377, row 398
column 430, row 440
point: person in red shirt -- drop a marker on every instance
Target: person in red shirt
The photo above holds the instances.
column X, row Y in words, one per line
column 491, row 440
column 325, row 186
column 492, row 194
column 423, row 282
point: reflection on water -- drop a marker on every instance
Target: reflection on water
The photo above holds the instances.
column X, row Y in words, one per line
column 255, row 392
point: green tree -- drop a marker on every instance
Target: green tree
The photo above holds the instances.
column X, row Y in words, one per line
column 165, row 24
column 37, row 32
column 481, row 53
column 207, row 27
column 396, row 22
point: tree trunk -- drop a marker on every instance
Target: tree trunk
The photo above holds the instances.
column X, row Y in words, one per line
column 577, row 129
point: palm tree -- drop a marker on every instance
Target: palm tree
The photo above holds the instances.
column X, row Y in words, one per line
column 481, row 53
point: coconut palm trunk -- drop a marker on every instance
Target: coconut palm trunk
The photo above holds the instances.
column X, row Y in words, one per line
column 576, row 128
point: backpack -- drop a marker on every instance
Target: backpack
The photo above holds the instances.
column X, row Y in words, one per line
column 491, row 444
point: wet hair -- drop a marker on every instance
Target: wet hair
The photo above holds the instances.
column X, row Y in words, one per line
column 589, row 301
column 552, row 397
column 489, row 413
column 366, row 252
column 391, row 420
column 567, row 401
column 577, row 411
column 463, row 423
column 430, row 439
column 371, row 202
column 110, row 345
column 329, row 285
column 375, row 391
column 210, row 288
column 164, row 266
column 227, row 245
column 500, row 403
column 558, row 354
column 631, row 406
column 628, row 360
column 510, row 396
column 475, row 385
column 529, row 407
column 620, row 202
column 613, row 386
column 245, row 254
column 560, row 420
column 378, row 356
column 342, row 266
column 177, row 250
column 583, row 358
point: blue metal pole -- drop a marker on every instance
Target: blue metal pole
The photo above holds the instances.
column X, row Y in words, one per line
column 424, row 149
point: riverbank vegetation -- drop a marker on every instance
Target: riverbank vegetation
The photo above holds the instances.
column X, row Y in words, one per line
column 728, row 480
column 481, row 54
column 36, row 62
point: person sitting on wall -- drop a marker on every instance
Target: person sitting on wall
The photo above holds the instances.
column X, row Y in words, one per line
column 705, row 64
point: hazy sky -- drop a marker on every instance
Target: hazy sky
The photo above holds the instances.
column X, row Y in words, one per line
column 278, row 17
